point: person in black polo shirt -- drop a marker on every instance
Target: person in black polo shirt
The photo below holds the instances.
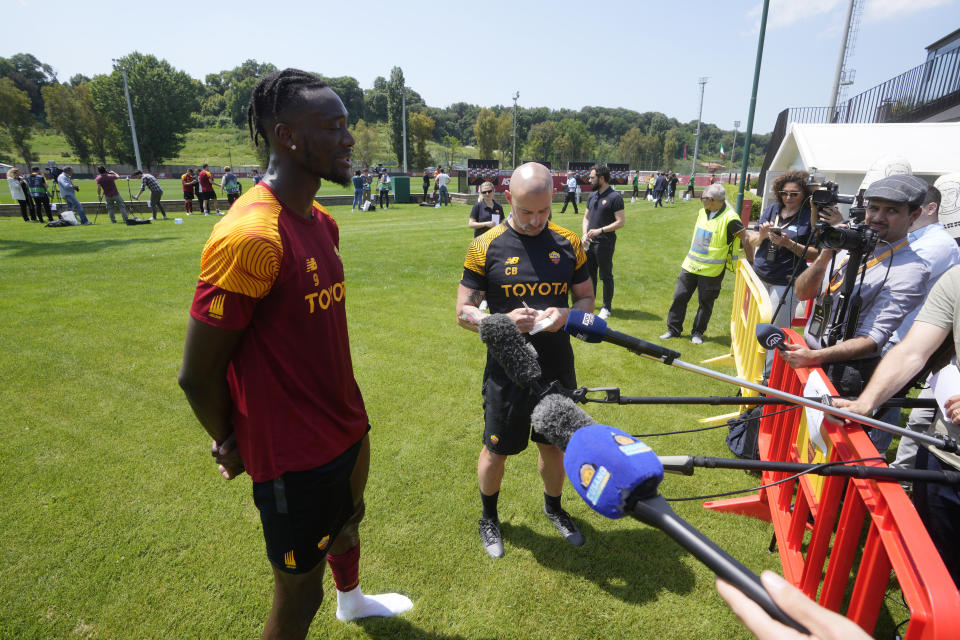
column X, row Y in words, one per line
column 482, row 214
column 605, row 215
column 528, row 268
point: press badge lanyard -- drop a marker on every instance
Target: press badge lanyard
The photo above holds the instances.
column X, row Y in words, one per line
column 823, row 310
column 836, row 280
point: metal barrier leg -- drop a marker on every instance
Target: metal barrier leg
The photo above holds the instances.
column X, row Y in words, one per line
column 753, row 506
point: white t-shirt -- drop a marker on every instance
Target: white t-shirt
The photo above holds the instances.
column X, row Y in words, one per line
column 15, row 189
column 442, row 179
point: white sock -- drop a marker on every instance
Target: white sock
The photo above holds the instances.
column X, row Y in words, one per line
column 354, row 604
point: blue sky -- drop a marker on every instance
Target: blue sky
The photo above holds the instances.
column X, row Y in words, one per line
column 638, row 55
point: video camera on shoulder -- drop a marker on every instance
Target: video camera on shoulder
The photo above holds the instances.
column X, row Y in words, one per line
column 857, row 237
column 827, row 194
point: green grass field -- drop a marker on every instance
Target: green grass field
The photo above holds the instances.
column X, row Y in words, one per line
column 117, row 525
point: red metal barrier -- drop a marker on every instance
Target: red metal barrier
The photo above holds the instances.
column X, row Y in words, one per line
column 841, row 537
column 801, row 321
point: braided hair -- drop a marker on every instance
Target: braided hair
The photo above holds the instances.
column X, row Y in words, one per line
column 276, row 92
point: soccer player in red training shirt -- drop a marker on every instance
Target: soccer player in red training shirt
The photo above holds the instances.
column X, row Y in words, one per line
column 266, row 364
column 207, row 194
column 187, row 180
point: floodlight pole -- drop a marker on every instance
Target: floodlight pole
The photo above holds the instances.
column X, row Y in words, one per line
column 696, row 140
column 838, row 74
column 753, row 105
column 515, row 97
column 403, row 109
column 133, row 126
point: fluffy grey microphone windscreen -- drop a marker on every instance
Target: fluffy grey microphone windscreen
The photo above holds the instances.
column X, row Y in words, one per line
column 556, row 417
column 517, row 356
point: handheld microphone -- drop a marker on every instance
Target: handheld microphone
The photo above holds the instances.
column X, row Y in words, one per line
column 770, row 336
column 617, row 474
column 509, row 348
column 590, row 328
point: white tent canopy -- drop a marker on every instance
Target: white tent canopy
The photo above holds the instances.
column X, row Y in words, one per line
column 843, row 153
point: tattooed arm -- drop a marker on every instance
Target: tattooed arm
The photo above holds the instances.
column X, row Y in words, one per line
column 468, row 314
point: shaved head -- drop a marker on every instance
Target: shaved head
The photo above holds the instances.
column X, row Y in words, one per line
column 531, row 178
column 530, row 196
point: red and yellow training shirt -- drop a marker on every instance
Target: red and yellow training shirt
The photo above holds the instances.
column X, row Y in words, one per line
column 278, row 277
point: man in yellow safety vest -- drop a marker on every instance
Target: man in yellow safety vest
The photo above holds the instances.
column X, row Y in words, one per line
column 715, row 245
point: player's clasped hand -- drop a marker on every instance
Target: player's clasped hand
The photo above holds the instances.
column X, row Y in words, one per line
column 227, row 457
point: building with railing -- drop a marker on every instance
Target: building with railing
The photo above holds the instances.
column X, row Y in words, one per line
column 929, row 92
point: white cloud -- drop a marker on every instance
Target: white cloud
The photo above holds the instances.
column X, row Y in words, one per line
column 877, row 10
column 786, row 13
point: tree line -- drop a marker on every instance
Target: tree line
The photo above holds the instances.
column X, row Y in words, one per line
column 91, row 114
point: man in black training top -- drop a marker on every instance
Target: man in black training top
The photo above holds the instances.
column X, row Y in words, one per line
column 527, row 268
column 605, row 214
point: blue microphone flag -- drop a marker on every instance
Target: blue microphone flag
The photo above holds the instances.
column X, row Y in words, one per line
column 585, row 326
column 605, row 465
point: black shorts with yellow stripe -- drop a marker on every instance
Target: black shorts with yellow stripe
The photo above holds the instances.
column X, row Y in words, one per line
column 303, row 511
column 507, row 408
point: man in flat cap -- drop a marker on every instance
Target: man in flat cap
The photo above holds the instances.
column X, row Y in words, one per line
column 891, row 282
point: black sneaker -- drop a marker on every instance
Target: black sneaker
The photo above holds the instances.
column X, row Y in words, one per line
column 490, row 537
column 564, row 524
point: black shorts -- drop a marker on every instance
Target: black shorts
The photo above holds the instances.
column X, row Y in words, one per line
column 207, row 195
column 303, row 511
column 188, row 195
column 507, row 408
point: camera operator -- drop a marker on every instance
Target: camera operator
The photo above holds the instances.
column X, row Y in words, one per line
column 889, row 285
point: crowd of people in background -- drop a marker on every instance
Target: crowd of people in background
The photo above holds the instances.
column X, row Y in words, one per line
column 43, row 191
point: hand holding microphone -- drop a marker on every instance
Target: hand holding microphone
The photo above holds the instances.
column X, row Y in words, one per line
column 617, row 474
column 823, row 623
column 773, row 337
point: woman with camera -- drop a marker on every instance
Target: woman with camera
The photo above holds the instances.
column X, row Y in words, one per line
column 781, row 239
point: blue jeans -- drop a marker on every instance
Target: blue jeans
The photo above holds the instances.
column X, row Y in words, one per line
column 115, row 203
column 444, row 198
column 77, row 207
column 357, row 198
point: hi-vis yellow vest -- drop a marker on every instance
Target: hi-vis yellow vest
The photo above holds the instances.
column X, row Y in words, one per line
column 710, row 251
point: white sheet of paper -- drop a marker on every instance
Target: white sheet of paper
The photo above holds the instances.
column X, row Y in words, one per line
column 945, row 384
column 815, row 387
column 496, row 218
